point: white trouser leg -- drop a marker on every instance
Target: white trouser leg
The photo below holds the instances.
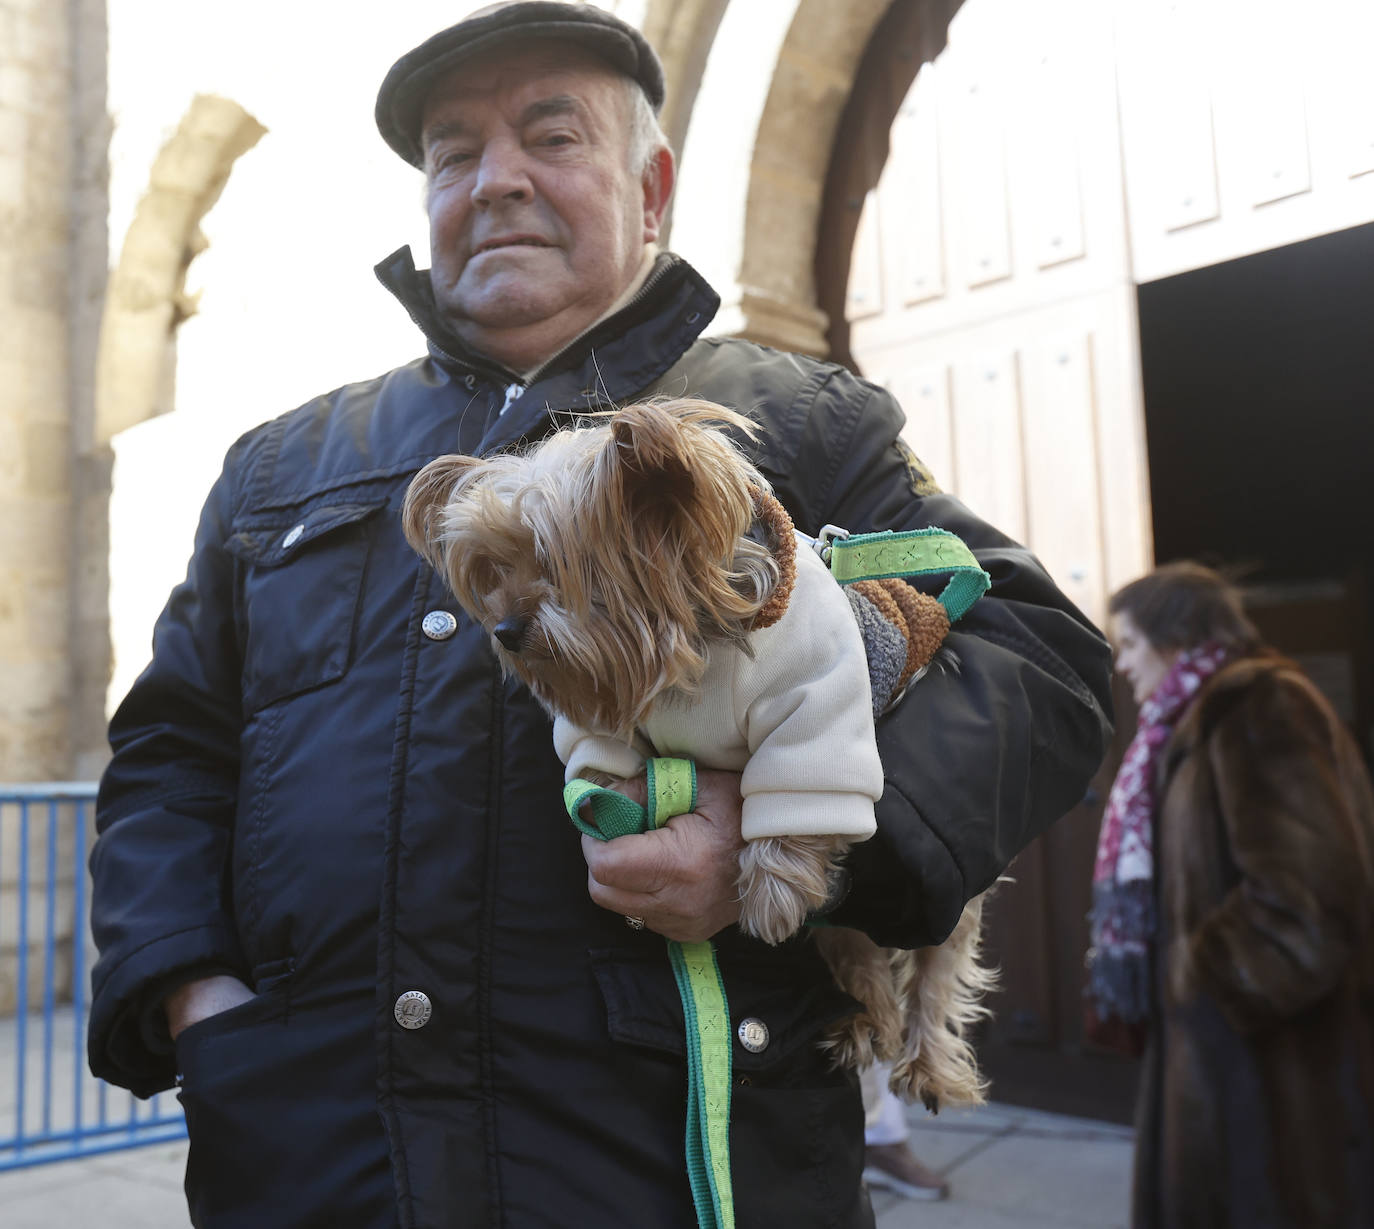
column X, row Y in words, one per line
column 884, row 1114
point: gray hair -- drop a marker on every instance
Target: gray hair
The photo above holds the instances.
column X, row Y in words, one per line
column 646, row 137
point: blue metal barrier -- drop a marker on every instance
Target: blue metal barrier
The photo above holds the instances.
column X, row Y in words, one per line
column 58, row 1109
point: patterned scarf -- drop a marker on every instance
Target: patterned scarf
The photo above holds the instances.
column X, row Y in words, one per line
column 1123, row 912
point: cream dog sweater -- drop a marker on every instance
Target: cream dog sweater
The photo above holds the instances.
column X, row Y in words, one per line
column 795, row 719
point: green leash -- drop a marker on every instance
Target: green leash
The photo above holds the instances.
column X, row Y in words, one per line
column 672, row 790
column 915, row 552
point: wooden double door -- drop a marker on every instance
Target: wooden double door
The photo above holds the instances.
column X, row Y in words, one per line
column 988, row 223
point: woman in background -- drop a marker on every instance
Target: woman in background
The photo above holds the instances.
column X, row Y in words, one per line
column 1233, row 917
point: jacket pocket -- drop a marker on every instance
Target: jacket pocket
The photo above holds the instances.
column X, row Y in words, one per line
column 300, row 582
column 282, row 1121
column 787, row 1009
column 222, row 1062
column 272, row 985
column 796, row 1123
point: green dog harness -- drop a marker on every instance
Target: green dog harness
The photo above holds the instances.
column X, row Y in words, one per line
column 914, row 552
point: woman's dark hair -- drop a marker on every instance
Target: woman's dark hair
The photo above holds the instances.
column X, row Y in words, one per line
column 1182, row 605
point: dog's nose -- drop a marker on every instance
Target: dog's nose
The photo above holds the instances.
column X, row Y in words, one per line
column 511, row 633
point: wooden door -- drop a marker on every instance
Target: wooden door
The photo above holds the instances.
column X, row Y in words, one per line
column 1245, row 126
column 989, row 288
column 983, row 263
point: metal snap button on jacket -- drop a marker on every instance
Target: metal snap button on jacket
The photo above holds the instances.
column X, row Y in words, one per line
column 439, row 625
column 413, row 1009
column 293, row 535
column 753, row 1034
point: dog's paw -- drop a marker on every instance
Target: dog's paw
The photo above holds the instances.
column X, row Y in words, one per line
column 849, row 1043
column 909, row 1082
column 771, row 912
column 939, row 1083
column 781, row 880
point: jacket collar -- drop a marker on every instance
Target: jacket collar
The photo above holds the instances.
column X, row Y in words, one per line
column 612, row 362
column 1220, row 693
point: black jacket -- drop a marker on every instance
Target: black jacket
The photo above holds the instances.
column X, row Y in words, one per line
column 310, row 792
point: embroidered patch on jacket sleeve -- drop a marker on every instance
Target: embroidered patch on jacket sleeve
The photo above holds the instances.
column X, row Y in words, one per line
column 922, row 480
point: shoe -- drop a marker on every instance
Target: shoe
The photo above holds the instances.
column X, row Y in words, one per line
column 894, row 1167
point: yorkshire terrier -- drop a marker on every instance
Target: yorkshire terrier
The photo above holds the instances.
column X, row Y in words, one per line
column 641, row 579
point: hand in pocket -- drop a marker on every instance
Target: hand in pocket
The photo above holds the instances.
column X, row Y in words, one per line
column 200, row 999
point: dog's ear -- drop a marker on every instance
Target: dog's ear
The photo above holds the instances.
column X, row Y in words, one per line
column 429, row 493
column 650, row 447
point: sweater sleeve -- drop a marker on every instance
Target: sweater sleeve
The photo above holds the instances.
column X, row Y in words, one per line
column 808, row 717
column 585, row 751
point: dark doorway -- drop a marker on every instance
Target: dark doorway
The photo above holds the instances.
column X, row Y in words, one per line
column 1259, row 406
column 1259, row 410
column 1033, row 1049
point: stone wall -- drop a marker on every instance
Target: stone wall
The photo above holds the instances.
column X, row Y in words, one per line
column 54, row 490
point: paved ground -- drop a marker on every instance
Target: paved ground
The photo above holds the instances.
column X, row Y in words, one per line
column 1009, row 1169
column 1012, row 1168
column 138, row 1189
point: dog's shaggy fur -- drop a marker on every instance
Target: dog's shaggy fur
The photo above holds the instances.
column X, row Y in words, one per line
column 604, row 562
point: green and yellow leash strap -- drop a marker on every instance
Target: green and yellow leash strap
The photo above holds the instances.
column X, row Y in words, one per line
column 915, row 552
column 672, row 790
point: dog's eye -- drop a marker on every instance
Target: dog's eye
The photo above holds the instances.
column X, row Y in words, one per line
column 546, row 561
column 482, row 574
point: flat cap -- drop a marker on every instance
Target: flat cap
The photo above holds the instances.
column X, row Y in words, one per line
column 401, row 100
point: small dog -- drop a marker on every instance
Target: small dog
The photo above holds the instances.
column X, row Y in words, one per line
column 641, row 579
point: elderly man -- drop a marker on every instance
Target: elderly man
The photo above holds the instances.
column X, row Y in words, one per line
column 335, row 897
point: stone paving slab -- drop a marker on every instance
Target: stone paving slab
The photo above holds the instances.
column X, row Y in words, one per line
column 1008, row 1167
column 137, row 1189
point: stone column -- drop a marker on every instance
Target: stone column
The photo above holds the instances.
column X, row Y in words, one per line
column 54, row 488
column 89, row 653
column 35, row 389
column 54, row 638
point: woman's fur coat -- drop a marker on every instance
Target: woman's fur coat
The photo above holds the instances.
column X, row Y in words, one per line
column 1257, row 1107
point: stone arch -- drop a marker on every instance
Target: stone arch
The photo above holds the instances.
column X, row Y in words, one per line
column 908, row 36
column 146, row 299
column 811, row 85
column 682, row 32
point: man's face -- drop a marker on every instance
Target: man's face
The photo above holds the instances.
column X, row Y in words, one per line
column 536, row 222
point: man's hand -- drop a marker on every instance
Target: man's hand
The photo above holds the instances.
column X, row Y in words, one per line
column 198, row 1000
column 681, row 879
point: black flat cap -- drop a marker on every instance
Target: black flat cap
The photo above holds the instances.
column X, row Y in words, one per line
column 401, row 100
